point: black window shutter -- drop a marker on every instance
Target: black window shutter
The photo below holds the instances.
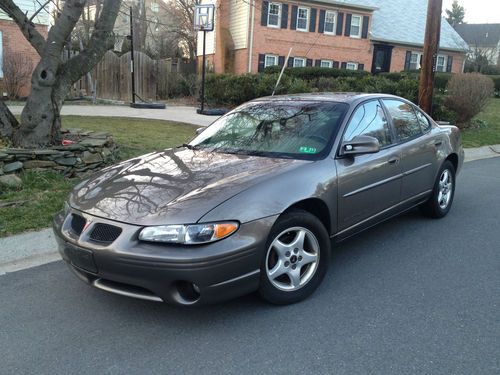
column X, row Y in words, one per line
column 364, row 32
column 361, row 66
column 317, row 63
column 348, row 25
column 265, row 10
column 340, row 23
column 321, row 26
column 335, row 65
column 281, row 60
column 290, row 62
column 312, row 22
column 284, row 16
column 262, row 59
column 343, row 65
column 407, row 60
column 309, row 62
column 449, row 64
column 293, row 22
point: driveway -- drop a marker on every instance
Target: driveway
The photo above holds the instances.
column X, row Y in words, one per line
column 171, row 113
column 412, row 295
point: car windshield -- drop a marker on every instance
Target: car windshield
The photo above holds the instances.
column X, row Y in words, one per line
column 297, row 129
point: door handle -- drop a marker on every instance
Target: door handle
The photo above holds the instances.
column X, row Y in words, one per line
column 438, row 143
column 393, row 161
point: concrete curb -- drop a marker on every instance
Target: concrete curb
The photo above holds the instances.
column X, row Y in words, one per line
column 33, row 249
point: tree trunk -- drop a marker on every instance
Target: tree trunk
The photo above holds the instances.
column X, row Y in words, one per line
column 8, row 122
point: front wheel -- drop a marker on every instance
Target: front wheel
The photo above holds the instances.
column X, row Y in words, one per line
column 439, row 204
column 296, row 259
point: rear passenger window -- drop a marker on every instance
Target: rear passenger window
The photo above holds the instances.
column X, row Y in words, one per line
column 404, row 119
column 369, row 119
column 424, row 121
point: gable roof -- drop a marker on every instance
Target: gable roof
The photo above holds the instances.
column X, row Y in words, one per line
column 480, row 34
column 404, row 22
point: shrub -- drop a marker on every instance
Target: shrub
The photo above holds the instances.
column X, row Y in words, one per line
column 468, row 95
column 310, row 73
column 17, row 71
column 496, row 82
column 440, row 112
column 441, row 81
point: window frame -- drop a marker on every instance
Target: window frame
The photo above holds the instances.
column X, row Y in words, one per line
column 303, row 59
column 276, row 57
column 330, row 64
column 280, row 10
column 417, row 110
column 360, row 26
column 355, row 64
column 445, row 61
column 419, row 59
column 338, row 154
column 307, row 18
column 397, row 139
column 334, row 22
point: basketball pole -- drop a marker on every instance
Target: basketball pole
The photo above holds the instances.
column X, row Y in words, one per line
column 203, row 72
column 132, row 62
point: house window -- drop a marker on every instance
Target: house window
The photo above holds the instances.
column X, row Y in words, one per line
column 1, row 55
column 441, row 63
column 154, row 6
column 302, row 19
column 326, row 63
column 299, row 62
column 274, row 15
column 351, row 66
column 355, row 26
column 415, row 60
column 330, row 22
column 270, row 60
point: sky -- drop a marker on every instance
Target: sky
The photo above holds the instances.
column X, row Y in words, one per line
column 478, row 11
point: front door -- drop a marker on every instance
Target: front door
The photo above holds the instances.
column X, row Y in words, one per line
column 381, row 58
column 368, row 184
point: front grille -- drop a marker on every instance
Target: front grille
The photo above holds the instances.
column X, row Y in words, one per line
column 77, row 224
column 105, row 233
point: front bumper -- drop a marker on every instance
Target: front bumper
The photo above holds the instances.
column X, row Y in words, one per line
column 185, row 275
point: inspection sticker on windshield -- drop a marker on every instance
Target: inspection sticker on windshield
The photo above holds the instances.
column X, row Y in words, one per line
column 307, row 150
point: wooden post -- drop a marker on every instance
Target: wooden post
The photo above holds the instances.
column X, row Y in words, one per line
column 431, row 46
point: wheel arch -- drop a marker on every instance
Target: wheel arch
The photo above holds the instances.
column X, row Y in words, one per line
column 316, row 207
column 453, row 158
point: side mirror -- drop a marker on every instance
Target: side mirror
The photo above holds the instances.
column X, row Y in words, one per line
column 199, row 130
column 361, row 144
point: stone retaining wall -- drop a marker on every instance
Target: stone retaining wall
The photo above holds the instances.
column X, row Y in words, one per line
column 86, row 151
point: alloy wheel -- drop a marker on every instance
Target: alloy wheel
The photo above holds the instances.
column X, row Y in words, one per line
column 445, row 189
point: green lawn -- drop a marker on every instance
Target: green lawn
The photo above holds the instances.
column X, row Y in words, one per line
column 488, row 135
column 43, row 194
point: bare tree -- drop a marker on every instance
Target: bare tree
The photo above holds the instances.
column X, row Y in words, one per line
column 17, row 70
column 183, row 12
column 52, row 78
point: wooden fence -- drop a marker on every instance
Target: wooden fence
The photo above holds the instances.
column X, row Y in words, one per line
column 153, row 78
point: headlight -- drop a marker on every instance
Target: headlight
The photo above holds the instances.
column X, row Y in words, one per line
column 188, row 234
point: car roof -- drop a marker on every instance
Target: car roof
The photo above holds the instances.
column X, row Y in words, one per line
column 339, row 97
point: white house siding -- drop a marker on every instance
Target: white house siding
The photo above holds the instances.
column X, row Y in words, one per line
column 210, row 47
column 30, row 7
column 238, row 24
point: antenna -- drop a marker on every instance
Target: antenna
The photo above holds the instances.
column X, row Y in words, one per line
column 282, row 71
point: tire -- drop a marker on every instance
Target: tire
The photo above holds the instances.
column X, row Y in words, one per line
column 296, row 258
column 439, row 204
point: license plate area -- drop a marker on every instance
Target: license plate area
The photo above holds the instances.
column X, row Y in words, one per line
column 81, row 258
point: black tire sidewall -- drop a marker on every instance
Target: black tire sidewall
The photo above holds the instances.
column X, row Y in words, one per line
column 296, row 218
column 437, row 210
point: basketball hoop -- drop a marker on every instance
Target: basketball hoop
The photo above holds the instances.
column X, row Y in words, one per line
column 204, row 17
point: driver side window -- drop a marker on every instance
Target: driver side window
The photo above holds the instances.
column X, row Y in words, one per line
column 369, row 119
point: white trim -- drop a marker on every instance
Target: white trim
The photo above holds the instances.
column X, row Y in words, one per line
column 303, row 59
column 329, row 62
column 334, row 23
column 280, row 9
column 307, row 19
column 276, row 60
column 419, row 58
column 354, row 65
column 445, row 63
column 358, row 36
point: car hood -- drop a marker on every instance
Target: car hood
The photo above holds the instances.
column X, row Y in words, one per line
column 173, row 186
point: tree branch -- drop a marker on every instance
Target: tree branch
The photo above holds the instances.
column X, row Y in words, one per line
column 42, row 7
column 27, row 27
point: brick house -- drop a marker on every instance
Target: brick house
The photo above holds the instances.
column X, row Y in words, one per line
column 12, row 40
column 371, row 35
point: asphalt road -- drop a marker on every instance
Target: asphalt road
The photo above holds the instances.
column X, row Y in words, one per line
column 412, row 295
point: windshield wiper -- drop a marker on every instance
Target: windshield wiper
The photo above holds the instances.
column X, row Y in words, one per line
column 188, row 146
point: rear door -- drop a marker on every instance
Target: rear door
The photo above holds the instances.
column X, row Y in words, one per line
column 371, row 183
column 418, row 147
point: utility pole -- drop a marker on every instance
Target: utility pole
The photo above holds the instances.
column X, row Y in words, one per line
column 132, row 62
column 431, row 46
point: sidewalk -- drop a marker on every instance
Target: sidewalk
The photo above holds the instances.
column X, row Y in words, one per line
column 171, row 113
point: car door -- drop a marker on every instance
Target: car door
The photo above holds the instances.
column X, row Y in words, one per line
column 418, row 147
column 369, row 183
